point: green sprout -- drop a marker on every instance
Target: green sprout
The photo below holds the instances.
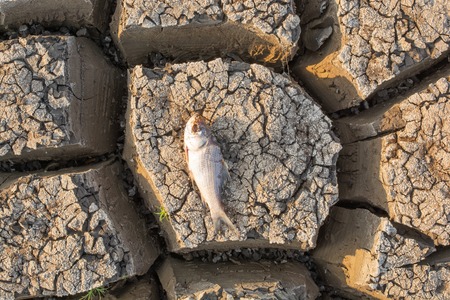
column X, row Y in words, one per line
column 95, row 292
column 162, row 214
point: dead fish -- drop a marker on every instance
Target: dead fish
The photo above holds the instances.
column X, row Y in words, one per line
column 206, row 167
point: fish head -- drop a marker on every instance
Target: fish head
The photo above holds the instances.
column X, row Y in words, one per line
column 197, row 132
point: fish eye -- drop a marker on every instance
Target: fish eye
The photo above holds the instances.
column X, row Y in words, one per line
column 194, row 128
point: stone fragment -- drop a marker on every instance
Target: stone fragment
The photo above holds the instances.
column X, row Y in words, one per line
column 59, row 99
column 402, row 162
column 263, row 31
column 374, row 45
column 51, row 244
column 358, row 253
column 71, row 13
column 314, row 38
column 312, row 9
column 278, row 145
column 247, row 280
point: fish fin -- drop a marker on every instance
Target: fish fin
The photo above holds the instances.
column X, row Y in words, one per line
column 192, row 179
column 219, row 215
column 186, row 156
column 225, row 171
column 203, row 202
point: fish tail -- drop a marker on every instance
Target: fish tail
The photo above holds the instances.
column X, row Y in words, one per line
column 219, row 215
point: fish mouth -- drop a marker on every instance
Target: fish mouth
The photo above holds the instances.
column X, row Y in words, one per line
column 198, row 122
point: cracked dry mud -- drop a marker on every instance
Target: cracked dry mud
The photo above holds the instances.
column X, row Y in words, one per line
column 73, row 13
column 417, row 282
column 54, row 91
column 69, row 230
column 65, row 232
column 384, row 39
column 383, row 259
column 185, row 280
column 409, row 164
column 277, row 143
column 257, row 30
column 376, row 44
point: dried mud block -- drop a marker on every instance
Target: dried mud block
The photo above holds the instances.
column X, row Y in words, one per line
column 403, row 164
column 358, row 252
column 264, row 31
column 66, row 232
column 417, row 282
column 59, row 99
column 278, row 145
column 374, row 44
column 72, row 13
column 247, row 280
column 145, row 288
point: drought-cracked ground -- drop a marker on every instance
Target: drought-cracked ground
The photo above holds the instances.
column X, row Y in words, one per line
column 332, row 117
column 256, row 30
column 49, row 107
column 60, row 233
column 278, row 146
column 386, row 38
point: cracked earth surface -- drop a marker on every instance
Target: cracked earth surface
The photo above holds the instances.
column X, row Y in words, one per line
column 74, row 13
column 370, row 260
column 56, row 238
column 68, row 231
column 383, row 39
column 274, row 17
column 256, row 30
column 53, row 96
column 35, row 94
column 417, row 282
column 276, row 142
column 203, row 280
column 415, row 162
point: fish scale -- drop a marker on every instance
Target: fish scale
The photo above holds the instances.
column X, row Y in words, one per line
column 207, row 172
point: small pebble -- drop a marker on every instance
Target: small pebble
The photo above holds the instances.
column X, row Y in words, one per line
column 82, row 32
column 93, row 208
column 12, row 35
column 256, row 256
column 23, row 30
column 365, row 104
column 132, row 191
column 188, row 256
column 64, row 30
column 383, row 94
column 36, row 29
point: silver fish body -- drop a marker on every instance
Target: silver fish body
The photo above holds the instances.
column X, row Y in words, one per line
column 206, row 167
